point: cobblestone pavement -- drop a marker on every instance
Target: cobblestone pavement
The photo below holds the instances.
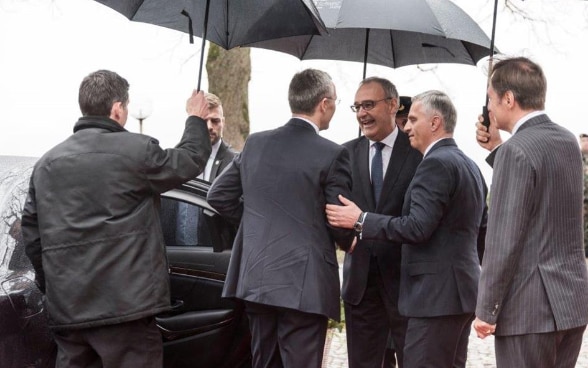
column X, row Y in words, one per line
column 480, row 352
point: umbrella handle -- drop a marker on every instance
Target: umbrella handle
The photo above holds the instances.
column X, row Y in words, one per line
column 485, row 114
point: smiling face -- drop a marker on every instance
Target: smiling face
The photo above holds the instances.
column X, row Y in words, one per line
column 378, row 122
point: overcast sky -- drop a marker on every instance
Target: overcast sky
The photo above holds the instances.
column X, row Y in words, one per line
column 48, row 46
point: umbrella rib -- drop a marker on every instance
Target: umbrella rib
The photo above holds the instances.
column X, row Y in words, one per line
column 392, row 50
column 306, row 47
column 365, row 51
column 227, row 23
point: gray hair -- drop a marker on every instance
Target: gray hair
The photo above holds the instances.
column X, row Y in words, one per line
column 307, row 89
column 437, row 102
column 388, row 87
column 100, row 90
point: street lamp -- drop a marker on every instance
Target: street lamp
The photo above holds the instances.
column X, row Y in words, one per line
column 140, row 108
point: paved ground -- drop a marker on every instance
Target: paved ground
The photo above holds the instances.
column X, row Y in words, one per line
column 480, row 352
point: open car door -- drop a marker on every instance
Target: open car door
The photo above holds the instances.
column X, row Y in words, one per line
column 203, row 329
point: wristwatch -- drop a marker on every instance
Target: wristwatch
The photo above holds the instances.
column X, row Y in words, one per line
column 358, row 226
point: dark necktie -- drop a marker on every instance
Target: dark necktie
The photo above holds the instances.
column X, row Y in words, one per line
column 377, row 171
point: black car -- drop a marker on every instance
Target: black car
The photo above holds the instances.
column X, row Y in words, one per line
column 202, row 330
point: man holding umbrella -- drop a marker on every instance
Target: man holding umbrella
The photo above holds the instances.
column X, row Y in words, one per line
column 533, row 288
column 92, row 231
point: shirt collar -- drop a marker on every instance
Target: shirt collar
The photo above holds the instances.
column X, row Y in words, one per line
column 215, row 148
column 316, row 129
column 389, row 140
column 431, row 145
column 526, row 118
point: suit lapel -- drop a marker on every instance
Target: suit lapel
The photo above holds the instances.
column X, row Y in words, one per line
column 217, row 161
column 399, row 155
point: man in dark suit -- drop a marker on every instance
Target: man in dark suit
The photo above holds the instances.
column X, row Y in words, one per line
column 222, row 154
column 283, row 264
column 371, row 274
column 191, row 225
column 534, row 283
column 442, row 215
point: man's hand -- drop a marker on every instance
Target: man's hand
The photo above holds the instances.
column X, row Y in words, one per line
column 196, row 105
column 343, row 216
column 483, row 329
column 488, row 138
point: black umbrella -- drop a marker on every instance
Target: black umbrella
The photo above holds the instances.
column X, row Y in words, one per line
column 228, row 23
column 392, row 33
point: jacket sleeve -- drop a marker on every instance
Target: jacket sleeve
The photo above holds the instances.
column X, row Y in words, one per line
column 169, row 168
column 510, row 203
column 339, row 181
column 225, row 194
column 31, row 236
column 430, row 192
column 483, row 224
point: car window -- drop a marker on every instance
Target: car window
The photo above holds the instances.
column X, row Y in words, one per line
column 14, row 180
column 184, row 224
column 189, row 224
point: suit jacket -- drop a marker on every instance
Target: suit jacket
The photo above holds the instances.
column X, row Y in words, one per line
column 284, row 252
column 534, row 277
column 441, row 217
column 401, row 169
column 223, row 158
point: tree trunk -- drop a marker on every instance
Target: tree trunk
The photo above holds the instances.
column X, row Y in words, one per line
column 229, row 73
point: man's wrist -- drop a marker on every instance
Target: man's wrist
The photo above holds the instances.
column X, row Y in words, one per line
column 358, row 226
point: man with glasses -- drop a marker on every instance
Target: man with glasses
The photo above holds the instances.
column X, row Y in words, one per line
column 443, row 212
column 371, row 273
column 284, row 265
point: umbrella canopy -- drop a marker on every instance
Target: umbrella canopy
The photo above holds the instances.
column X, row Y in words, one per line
column 228, row 23
column 392, row 33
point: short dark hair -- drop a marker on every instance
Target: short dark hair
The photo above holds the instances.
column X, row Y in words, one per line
column 524, row 78
column 100, row 90
column 307, row 89
column 583, row 135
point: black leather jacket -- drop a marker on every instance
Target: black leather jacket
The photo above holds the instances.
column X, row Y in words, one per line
column 91, row 223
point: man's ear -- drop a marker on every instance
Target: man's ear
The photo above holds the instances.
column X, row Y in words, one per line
column 436, row 123
column 509, row 98
column 116, row 111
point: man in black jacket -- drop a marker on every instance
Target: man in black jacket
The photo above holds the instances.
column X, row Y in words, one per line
column 92, row 231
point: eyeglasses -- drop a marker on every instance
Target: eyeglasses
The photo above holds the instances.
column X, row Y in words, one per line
column 334, row 99
column 367, row 105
